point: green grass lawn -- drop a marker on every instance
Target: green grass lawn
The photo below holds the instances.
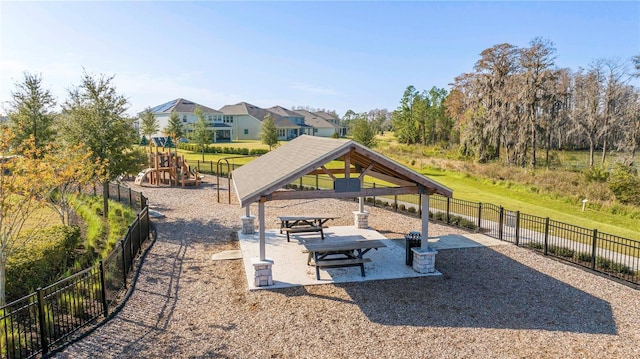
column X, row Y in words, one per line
column 468, row 187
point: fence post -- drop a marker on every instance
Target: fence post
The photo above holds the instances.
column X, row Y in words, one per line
column 546, row 236
column 43, row 322
column 211, row 166
column 105, row 307
column 118, row 187
column 420, row 205
column 374, row 197
column 300, row 182
column 130, row 199
column 593, row 249
column 395, row 202
column 500, row 223
column 479, row 215
column 448, row 202
column 139, row 233
column 317, row 183
column 517, row 228
column 124, row 264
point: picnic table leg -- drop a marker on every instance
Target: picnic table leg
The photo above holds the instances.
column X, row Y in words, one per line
column 361, row 264
column 315, row 258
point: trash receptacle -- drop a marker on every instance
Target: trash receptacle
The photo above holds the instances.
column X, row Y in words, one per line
column 411, row 240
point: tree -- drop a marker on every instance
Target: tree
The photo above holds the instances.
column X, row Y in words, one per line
column 200, row 133
column 94, row 114
column 536, row 61
column 21, row 184
column 174, row 127
column 269, row 132
column 30, row 112
column 363, row 131
column 403, row 119
column 149, row 123
column 70, row 168
column 587, row 111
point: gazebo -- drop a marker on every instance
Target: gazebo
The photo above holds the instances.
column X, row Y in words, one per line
column 264, row 179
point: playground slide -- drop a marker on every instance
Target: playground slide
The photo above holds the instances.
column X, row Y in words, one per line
column 142, row 176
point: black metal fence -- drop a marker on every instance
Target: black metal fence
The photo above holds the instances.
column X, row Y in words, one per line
column 615, row 256
column 45, row 320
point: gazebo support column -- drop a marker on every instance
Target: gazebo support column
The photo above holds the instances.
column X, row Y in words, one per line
column 424, row 258
column 248, row 222
column 361, row 217
column 262, row 266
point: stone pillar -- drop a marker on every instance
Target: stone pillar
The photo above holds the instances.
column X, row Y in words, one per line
column 424, row 261
column 262, row 270
column 361, row 219
column 248, row 224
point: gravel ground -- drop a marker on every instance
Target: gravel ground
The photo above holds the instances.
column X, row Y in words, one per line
column 498, row 302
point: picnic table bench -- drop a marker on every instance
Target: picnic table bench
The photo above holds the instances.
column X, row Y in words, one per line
column 301, row 224
column 352, row 252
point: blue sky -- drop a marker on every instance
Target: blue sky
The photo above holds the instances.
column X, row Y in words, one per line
column 333, row 55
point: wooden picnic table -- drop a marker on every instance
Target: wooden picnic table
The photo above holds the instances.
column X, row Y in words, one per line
column 352, row 253
column 298, row 224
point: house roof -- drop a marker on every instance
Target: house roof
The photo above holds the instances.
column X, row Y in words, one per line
column 181, row 105
column 326, row 116
column 314, row 120
column 267, row 174
column 284, row 112
column 244, row 108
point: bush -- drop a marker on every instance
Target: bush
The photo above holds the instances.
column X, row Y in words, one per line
column 535, row 245
column 43, row 261
column 596, row 174
column 561, row 251
column 582, row 257
column 411, row 210
column 625, row 184
column 402, row 207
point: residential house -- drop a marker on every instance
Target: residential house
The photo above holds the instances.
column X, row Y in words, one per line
column 246, row 121
column 291, row 124
column 342, row 130
column 321, row 127
column 222, row 131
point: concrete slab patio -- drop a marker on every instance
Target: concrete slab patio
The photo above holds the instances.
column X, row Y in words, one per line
column 290, row 263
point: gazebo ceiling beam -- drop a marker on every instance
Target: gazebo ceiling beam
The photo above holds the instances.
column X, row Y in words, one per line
column 326, row 171
column 364, row 173
column 378, row 191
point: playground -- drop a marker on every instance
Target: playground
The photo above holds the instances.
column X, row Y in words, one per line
column 167, row 168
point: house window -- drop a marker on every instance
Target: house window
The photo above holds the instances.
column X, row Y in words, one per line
column 246, row 131
column 184, row 118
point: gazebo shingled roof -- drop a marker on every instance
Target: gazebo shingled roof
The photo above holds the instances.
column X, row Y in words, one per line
column 262, row 178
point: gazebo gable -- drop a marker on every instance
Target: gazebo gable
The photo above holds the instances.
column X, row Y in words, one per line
column 263, row 178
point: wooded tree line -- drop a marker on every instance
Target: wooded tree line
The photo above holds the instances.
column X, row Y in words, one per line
column 516, row 102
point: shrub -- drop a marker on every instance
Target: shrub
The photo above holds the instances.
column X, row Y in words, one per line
column 535, row 245
column 378, row 202
column 625, row 184
column 582, row 256
column 411, row 210
column 42, row 261
column 561, row 251
column 596, row 174
column 402, row 207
